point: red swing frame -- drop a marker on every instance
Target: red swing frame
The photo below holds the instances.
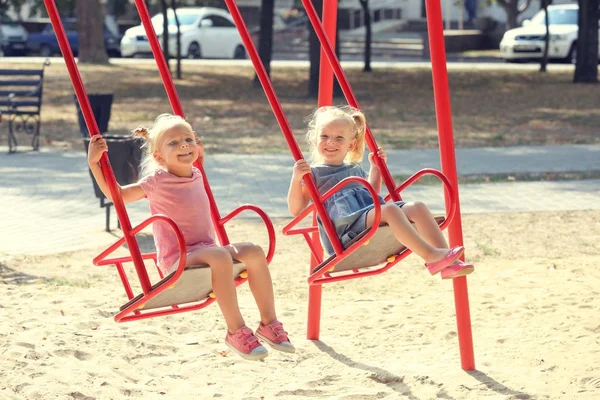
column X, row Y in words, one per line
column 448, row 176
column 134, row 310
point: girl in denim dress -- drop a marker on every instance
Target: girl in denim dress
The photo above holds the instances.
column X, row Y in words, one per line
column 336, row 138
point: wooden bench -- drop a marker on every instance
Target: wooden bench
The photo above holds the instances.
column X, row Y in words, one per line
column 21, row 103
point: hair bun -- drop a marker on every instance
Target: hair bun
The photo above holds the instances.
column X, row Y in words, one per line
column 142, row 131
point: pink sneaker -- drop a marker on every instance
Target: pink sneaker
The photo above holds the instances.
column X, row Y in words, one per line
column 458, row 269
column 244, row 343
column 275, row 336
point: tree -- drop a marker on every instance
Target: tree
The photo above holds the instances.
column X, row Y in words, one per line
column 544, row 60
column 513, row 8
column 265, row 37
column 90, row 21
column 178, row 40
column 314, row 55
column 586, row 64
column 65, row 7
column 165, row 32
column 113, row 9
column 368, row 34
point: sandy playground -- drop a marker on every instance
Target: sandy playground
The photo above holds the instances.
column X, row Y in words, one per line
column 534, row 308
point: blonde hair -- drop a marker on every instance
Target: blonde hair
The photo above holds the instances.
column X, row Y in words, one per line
column 323, row 116
column 153, row 139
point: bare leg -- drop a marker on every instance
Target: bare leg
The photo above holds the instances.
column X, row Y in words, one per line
column 406, row 234
column 221, row 267
column 426, row 225
column 259, row 277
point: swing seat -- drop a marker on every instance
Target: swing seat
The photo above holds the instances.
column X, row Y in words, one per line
column 375, row 248
column 380, row 249
column 191, row 290
column 194, row 284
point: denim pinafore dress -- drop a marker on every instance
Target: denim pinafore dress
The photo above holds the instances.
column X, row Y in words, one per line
column 348, row 207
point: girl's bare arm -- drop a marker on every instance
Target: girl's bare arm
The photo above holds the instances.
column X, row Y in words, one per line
column 298, row 196
column 129, row 193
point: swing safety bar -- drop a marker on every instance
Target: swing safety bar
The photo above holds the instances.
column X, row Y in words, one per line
column 321, row 276
column 376, row 220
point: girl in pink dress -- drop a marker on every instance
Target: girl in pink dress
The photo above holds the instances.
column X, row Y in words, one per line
column 174, row 187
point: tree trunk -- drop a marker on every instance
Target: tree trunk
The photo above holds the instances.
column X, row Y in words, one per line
column 368, row 34
column 111, row 17
column 544, row 60
column 174, row 7
column 513, row 8
column 511, row 14
column 586, row 66
column 165, row 33
column 90, row 22
column 314, row 55
column 265, row 37
column 337, row 88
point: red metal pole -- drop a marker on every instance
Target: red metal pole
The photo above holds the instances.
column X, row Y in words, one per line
column 92, row 126
column 448, row 160
column 330, row 8
column 315, row 292
column 165, row 74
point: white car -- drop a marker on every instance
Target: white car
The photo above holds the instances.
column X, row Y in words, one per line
column 206, row 32
column 527, row 42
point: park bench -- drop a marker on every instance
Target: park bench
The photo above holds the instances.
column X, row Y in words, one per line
column 21, row 103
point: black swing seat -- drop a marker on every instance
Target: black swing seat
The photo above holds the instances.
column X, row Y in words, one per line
column 193, row 285
column 376, row 251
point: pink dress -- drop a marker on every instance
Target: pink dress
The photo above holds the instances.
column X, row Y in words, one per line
column 185, row 201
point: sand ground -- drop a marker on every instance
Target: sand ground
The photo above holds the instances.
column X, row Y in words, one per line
column 534, row 308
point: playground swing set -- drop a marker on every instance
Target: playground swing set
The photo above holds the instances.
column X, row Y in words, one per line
column 188, row 288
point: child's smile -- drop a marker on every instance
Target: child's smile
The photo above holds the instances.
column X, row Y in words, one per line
column 335, row 141
column 178, row 151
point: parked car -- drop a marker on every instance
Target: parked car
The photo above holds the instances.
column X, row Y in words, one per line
column 13, row 37
column 206, row 32
column 527, row 42
column 45, row 43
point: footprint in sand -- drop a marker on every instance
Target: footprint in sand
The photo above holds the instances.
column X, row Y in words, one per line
column 27, row 345
column 20, row 387
column 325, row 381
column 34, row 355
column 87, row 325
column 131, row 393
column 590, row 382
column 80, row 355
column 179, row 329
column 81, row 396
column 104, row 314
column 302, row 392
column 450, row 335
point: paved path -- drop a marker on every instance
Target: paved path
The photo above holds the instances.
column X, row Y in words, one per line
column 48, row 204
column 483, row 63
